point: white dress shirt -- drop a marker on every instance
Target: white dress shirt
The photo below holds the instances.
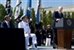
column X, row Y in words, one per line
column 25, row 26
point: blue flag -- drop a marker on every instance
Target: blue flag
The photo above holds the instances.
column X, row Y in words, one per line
column 28, row 11
column 38, row 12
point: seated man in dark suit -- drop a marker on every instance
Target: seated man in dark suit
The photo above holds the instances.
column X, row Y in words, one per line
column 6, row 23
column 39, row 33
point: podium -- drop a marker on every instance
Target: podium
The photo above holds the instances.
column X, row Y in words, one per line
column 12, row 39
column 64, row 32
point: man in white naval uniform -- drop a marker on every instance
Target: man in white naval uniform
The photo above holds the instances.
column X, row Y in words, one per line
column 27, row 32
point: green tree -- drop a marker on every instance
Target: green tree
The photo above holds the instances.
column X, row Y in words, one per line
column 44, row 19
column 64, row 13
column 49, row 18
column 2, row 12
column 72, row 14
column 33, row 17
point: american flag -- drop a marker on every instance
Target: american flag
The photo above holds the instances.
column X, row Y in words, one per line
column 17, row 9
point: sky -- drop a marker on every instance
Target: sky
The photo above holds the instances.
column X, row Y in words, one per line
column 44, row 3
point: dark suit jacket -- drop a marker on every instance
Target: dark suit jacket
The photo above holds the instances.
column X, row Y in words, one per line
column 4, row 25
column 56, row 14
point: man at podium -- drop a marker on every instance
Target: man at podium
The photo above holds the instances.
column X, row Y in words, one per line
column 57, row 16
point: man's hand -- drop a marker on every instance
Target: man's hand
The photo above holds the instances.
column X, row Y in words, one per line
column 57, row 19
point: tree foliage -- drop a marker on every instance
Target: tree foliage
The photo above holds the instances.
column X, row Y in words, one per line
column 33, row 17
column 44, row 19
column 2, row 12
column 49, row 18
column 72, row 14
